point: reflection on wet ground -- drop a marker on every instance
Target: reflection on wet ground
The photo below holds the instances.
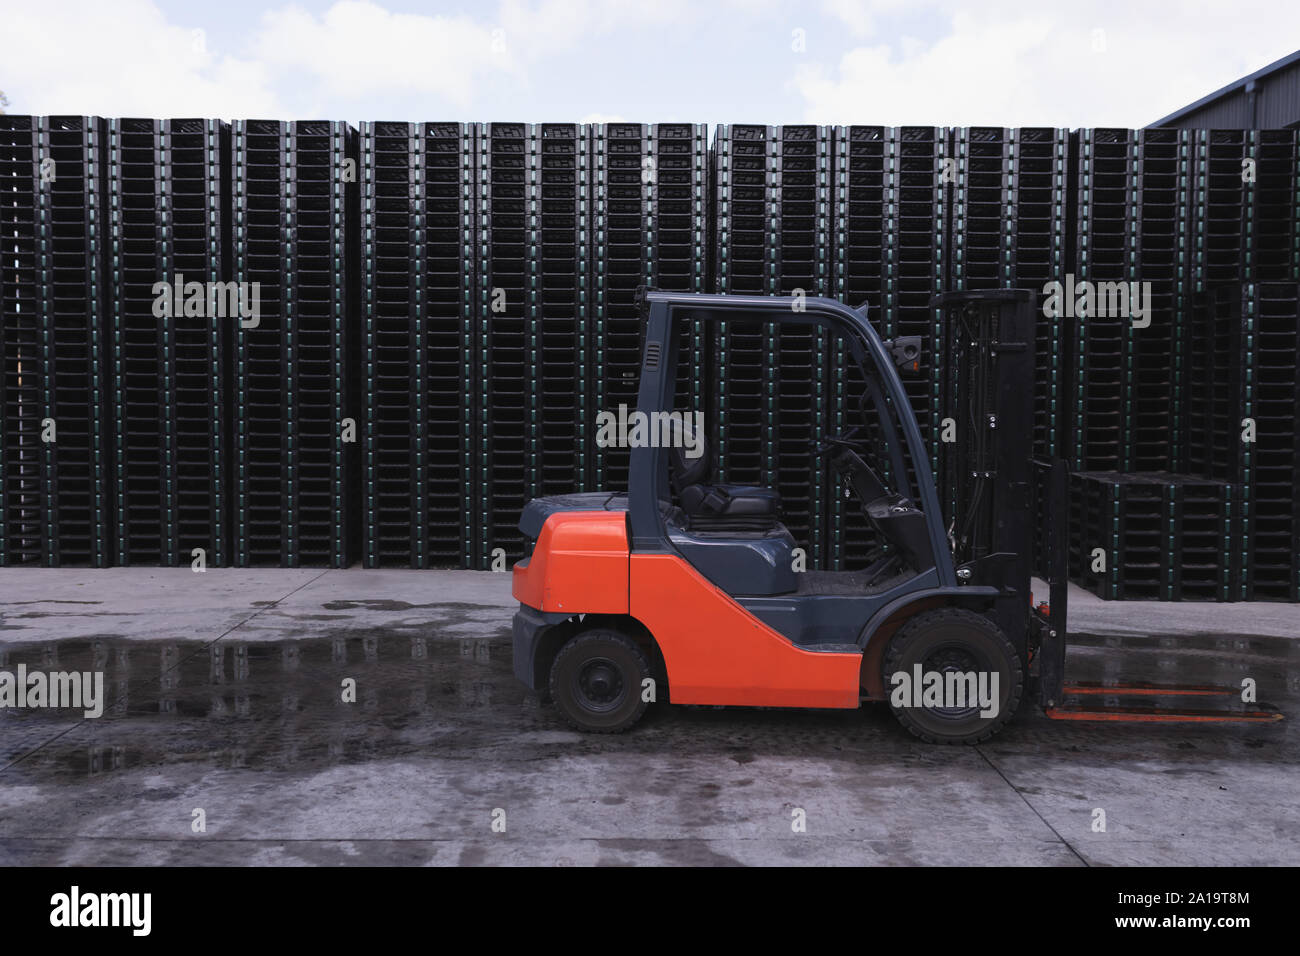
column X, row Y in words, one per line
column 281, row 705
column 261, row 704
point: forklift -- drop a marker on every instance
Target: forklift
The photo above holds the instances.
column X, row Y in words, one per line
column 686, row 590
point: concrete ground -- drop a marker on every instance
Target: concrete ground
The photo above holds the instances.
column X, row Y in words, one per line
column 224, row 692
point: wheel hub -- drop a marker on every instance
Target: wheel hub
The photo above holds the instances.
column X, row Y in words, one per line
column 600, row 684
column 947, row 660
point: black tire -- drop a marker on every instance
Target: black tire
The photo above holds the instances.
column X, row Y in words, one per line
column 597, row 679
column 953, row 639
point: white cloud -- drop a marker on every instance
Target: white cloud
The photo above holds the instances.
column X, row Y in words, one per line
column 1023, row 64
column 603, row 118
column 357, row 48
column 861, row 16
column 122, row 59
column 128, row 58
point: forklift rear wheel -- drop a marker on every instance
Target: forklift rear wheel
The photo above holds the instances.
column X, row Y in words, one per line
column 597, row 681
column 953, row 641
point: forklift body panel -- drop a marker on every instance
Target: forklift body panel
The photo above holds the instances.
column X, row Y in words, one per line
column 716, row 652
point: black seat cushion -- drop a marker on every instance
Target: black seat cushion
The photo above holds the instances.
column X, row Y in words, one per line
column 730, row 508
column 734, row 500
column 719, row 507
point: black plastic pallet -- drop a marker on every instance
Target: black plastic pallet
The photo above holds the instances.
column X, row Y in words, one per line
column 23, row 528
column 1163, row 176
column 1272, row 538
column 296, row 413
column 1039, row 255
column 532, row 313
column 742, row 425
column 1118, row 549
column 167, row 375
column 417, row 287
column 56, row 448
column 1103, row 358
column 889, row 249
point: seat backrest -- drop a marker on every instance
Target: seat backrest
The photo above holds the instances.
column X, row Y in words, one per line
column 684, row 470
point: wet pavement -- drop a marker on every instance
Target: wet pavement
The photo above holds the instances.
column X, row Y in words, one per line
column 225, row 695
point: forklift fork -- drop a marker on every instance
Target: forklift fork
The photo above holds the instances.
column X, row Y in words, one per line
column 1062, row 701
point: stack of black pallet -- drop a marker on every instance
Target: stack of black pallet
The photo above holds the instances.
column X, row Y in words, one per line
column 1273, row 545
column 170, row 318
column 624, row 170
column 461, row 347
column 1243, row 432
column 416, row 196
column 445, row 229
column 798, row 379
column 978, row 178
column 56, row 439
column 1272, row 561
column 295, row 415
column 890, row 214
column 917, row 226
column 1161, row 180
column 1105, row 240
column 1118, row 542
column 678, row 242
column 864, row 169
column 393, row 373
column 23, row 482
column 649, row 230
column 507, row 398
column 742, row 424
column 982, row 209
column 1036, row 255
column 1241, row 353
column 559, row 267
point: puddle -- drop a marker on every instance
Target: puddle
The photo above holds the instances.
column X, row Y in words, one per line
column 263, row 704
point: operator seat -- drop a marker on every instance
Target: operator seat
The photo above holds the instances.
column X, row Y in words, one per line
column 710, row 507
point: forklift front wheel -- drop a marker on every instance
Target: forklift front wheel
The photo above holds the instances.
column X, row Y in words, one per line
column 952, row 676
column 598, row 681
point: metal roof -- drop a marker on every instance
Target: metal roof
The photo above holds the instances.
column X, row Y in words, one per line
column 1283, row 108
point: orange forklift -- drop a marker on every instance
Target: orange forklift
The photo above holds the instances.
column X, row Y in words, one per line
column 689, row 591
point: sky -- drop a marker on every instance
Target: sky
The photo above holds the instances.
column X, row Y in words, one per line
column 1084, row 63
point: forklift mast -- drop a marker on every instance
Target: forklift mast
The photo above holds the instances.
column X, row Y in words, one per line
column 986, row 467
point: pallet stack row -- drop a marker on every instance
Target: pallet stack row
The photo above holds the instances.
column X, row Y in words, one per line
column 507, row 399
column 890, row 211
column 1152, row 536
column 419, row 325
column 57, row 433
column 1105, row 258
column 166, row 271
column 625, row 171
column 743, row 410
column 22, row 461
column 1243, row 431
column 295, row 354
column 1274, row 540
column 649, row 231
column 797, row 378
column 1008, row 221
column 864, row 173
column 416, row 232
column 1161, row 185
